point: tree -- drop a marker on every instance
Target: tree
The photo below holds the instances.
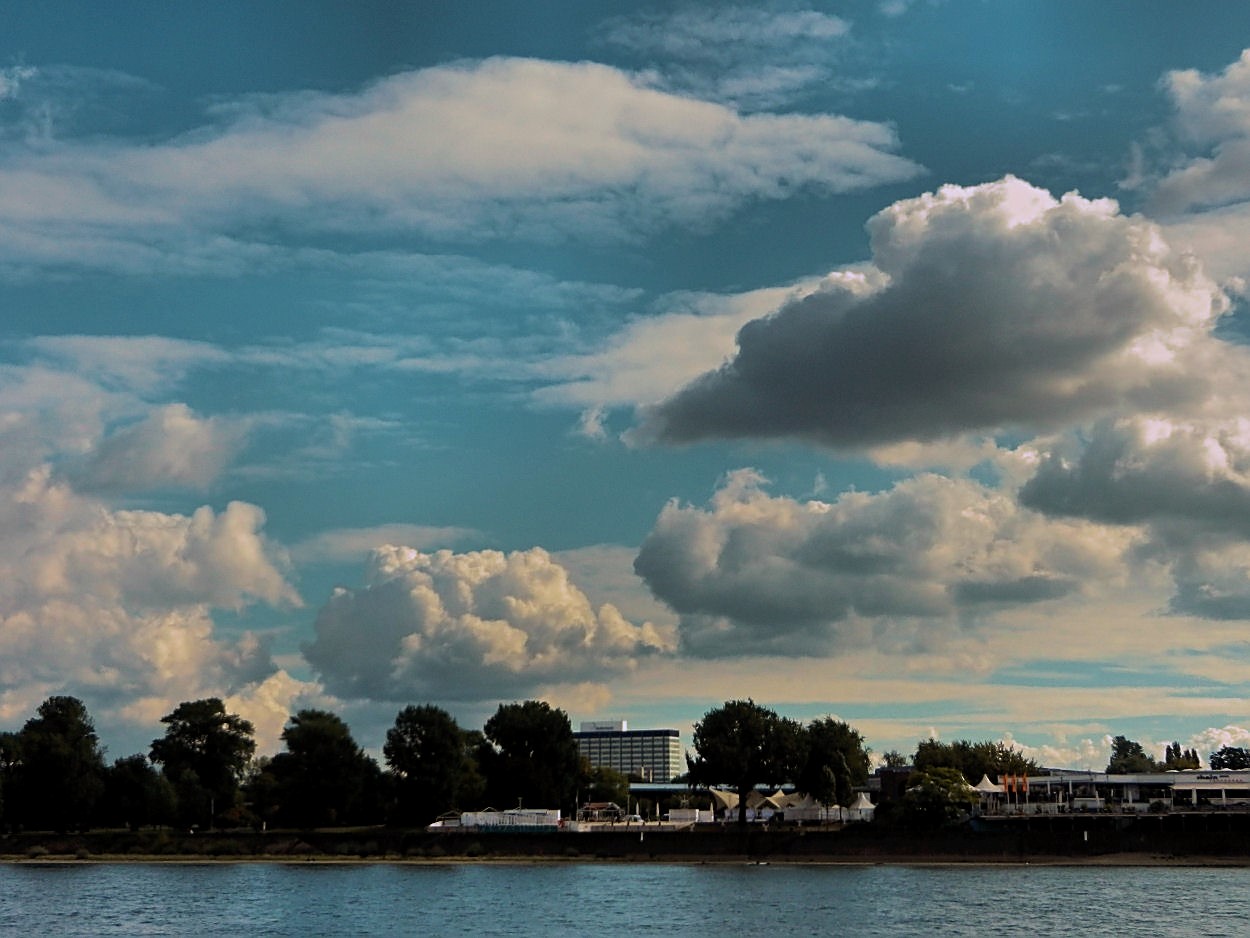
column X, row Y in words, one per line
column 1128, row 758
column 136, row 794
column 1230, row 757
column 974, row 760
column 59, row 776
column 742, row 744
column 532, row 757
column 10, row 760
column 1177, row 759
column 894, row 759
column 429, row 755
column 835, row 760
column 324, row 777
column 605, row 784
column 936, row 797
column 204, row 753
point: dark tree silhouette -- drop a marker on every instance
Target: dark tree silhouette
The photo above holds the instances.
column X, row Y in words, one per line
column 742, row 744
column 204, row 753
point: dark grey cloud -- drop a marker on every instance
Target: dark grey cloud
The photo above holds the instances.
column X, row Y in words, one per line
column 1002, row 308
column 1138, row 471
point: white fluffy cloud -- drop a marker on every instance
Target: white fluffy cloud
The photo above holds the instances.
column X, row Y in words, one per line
column 1203, row 188
column 115, row 605
column 1003, row 307
column 1213, row 114
column 470, row 626
column 755, row 574
column 469, row 151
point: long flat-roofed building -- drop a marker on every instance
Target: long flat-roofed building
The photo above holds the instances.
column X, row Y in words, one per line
column 651, row 755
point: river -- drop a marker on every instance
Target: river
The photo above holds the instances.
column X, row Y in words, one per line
column 691, row 900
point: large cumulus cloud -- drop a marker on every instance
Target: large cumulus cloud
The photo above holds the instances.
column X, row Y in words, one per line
column 1003, row 307
column 116, row 605
column 469, row 626
column 756, row 574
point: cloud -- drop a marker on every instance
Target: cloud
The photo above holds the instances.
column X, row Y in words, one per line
column 65, row 546
column 1186, row 482
column 268, row 705
column 469, row 626
column 754, row 574
column 471, row 151
column 1195, row 172
column 652, row 357
column 115, row 606
column 169, row 447
column 1214, row 739
column 720, row 34
column 132, row 364
column 1142, row 469
column 1002, row 308
column 354, row 544
column 1212, row 112
column 749, row 56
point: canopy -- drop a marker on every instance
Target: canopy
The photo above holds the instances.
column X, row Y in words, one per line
column 987, row 787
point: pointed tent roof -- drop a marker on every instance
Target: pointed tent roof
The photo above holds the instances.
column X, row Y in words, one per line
column 862, row 803
column 757, row 800
column 728, row 800
column 987, row 787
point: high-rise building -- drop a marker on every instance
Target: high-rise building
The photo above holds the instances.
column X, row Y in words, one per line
column 651, row 755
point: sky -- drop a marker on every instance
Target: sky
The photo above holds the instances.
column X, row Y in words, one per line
column 882, row 359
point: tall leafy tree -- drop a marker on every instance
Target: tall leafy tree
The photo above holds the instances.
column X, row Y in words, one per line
column 1176, row 758
column 204, row 753
column 742, row 744
column 324, row 778
column 835, row 760
column 59, row 776
column 531, row 756
column 1128, row 758
column 1230, row 757
column 430, row 757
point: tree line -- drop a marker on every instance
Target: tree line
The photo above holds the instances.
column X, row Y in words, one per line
column 203, row 772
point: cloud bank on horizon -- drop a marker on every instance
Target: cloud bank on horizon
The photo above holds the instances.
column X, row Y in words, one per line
column 412, row 384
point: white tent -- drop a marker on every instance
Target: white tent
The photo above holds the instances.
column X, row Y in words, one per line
column 986, row 787
column 861, row 810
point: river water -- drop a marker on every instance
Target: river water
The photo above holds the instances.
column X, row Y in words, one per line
column 719, row 901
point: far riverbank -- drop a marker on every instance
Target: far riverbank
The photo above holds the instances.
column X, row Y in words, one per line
column 1177, row 839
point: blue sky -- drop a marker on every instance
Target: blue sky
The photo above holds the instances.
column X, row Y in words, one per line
column 880, row 359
